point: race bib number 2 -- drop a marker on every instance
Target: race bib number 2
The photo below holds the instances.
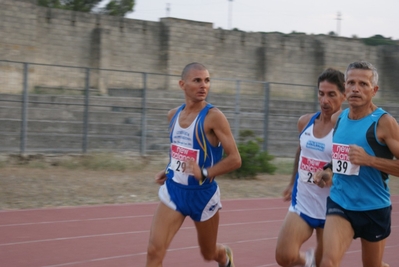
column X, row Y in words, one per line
column 308, row 167
column 340, row 160
column 180, row 155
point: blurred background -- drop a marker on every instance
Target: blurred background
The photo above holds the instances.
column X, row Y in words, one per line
column 82, row 76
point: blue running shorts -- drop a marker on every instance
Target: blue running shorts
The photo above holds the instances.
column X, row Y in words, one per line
column 198, row 202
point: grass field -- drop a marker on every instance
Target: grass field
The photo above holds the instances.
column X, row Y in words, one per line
column 37, row 181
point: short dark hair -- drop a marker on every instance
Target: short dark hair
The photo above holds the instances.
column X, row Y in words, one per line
column 193, row 65
column 333, row 76
column 363, row 65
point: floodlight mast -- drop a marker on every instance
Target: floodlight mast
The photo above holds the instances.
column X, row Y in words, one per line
column 338, row 23
column 230, row 14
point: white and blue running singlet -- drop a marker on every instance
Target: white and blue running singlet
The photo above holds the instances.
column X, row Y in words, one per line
column 182, row 191
column 308, row 198
column 359, row 188
column 190, row 142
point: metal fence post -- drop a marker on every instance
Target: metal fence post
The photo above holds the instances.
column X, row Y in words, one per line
column 266, row 117
column 144, row 117
column 86, row 112
column 316, row 99
column 237, row 111
column 24, row 122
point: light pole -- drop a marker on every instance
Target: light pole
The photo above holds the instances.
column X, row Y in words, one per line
column 338, row 23
column 167, row 10
column 230, row 14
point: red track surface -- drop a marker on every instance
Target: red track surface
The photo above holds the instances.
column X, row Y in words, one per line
column 117, row 235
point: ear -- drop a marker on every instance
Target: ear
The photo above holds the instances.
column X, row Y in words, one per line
column 343, row 96
column 375, row 89
column 181, row 84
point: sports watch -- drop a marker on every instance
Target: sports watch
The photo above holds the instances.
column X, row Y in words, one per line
column 204, row 173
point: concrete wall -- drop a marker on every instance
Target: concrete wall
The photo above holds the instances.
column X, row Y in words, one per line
column 41, row 35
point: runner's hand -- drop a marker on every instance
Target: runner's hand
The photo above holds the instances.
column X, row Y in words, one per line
column 358, row 156
column 160, row 177
column 323, row 178
column 193, row 168
column 287, row 193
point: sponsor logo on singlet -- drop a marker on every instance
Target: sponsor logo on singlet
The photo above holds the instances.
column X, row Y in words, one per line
column 315, row 145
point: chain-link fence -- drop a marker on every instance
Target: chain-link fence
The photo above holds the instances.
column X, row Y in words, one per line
column 61, row 109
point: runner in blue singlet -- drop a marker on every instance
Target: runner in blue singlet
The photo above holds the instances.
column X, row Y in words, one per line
column 365, row 151
column 199, row 133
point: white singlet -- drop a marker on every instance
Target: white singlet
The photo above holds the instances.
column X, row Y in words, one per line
column 310, row 199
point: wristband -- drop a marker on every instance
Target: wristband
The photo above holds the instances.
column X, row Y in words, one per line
column 327, row 166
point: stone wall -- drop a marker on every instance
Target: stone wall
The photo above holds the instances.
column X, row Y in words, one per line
column 51, row 36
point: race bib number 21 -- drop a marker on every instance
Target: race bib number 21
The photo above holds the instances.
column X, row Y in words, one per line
column 340, row 160
column 308, row 167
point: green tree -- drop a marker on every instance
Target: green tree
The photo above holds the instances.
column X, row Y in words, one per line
column 75, row 5
column 113, row 8
column 254, row 160
column 119, row 7
column 50, row 3
column 379, row 40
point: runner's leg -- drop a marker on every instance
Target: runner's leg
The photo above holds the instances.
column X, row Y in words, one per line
column 372, row 252
column 293, row 233
column 337, row 237
column 165, row 224
column 207, row 232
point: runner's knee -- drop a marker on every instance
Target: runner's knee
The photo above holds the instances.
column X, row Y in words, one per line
column 155, row 252
column 284, row 259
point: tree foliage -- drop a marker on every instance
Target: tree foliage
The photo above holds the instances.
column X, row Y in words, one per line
column 113, row 8
column 119, row 7
column 379, row 40
column 75, row 5
column 254, row 160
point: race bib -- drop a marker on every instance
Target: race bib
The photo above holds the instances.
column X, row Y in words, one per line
column 308, row 167
column 180, row 155
column 340, row 160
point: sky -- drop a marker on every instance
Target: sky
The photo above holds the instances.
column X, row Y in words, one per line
column 360, row 18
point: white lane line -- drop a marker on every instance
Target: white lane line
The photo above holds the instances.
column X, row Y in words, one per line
column 188, row 248
column 144, row 253
column 125, row 233
column 81, row 220
column 127, row 217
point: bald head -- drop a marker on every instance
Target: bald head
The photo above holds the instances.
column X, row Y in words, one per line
column 191, row 66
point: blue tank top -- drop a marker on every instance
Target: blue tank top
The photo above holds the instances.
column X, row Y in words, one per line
column 369, row 189
column 197, row 144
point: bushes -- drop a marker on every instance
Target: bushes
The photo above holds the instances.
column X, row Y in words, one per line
column 254, row 160
column 379, row 40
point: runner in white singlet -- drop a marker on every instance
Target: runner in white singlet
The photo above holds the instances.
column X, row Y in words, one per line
column 308, row 200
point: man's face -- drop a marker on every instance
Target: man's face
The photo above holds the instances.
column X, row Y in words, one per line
column 196, row 84
column 359, row 87
column 330, row 98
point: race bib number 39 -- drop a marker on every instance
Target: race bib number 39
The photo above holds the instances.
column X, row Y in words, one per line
column 180, row 155
column 340, row 160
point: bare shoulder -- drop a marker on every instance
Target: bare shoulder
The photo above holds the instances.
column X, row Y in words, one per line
column 388, row 125
column 388, row 119
column 335, row 116
column 216, row 118
column 388, row 133
column 216, row 113
column 171, row 113
column 304, row 120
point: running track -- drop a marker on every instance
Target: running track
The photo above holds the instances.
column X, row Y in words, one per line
column 116, row 235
